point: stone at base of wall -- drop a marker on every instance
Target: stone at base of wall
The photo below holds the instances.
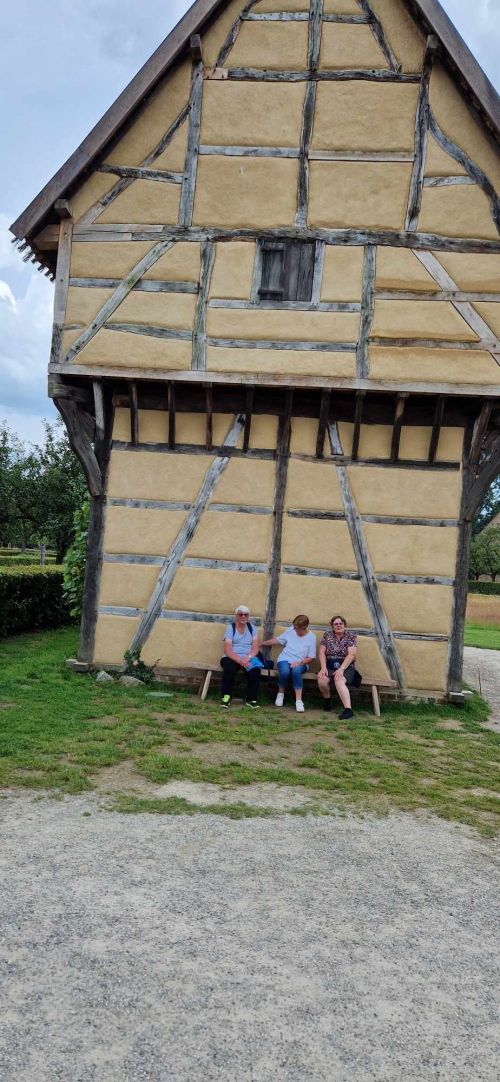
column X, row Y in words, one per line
column 459, row 698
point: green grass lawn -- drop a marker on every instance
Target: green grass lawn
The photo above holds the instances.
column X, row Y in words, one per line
column 482, row 635
column 62, row 731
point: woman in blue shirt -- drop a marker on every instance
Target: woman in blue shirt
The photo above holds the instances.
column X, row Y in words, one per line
column 240, row 647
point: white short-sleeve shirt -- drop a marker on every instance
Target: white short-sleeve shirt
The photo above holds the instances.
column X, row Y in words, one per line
column 296, row 647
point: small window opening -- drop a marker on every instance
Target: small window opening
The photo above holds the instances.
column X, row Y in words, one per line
column 287, row 270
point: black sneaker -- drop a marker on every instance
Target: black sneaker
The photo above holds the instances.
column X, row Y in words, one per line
column 225, row 701
column 346, row 714
column 327, row 705
column 252, row 703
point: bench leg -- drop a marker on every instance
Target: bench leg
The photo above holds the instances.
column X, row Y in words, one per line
column 204, row 686
column 376, row 701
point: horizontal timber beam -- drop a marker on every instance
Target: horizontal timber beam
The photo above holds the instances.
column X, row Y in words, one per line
column 371, row 75
column 145, row 285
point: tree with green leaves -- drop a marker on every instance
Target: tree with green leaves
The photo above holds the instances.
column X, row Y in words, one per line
column 485, row 553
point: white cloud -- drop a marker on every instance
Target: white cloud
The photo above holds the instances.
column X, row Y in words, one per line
column 6, row 294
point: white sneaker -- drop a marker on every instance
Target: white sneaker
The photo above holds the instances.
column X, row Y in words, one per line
column 299, row 706
column 280, row 698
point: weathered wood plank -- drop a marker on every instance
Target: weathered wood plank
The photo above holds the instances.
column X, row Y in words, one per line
column 61, row 287
column 471, row 316
column 329, row 573
column 149, row 332
column 360, row 156
column 315, row 29
column 322, row 423
column 248, row 418
column 478, row 436
column 233, row 34
column 470, row 167
column 207, row 149
column 401, row 401
column 289, row 306
column 200, row 319
column 456, row 643
column 209, row 398
column 358, row 416
column 435, row 343
column 305, row 143
column 381, row 625
column 421, row 134
column 489, row 470
column 134, row 414
column 319, row 573
column 446, row 182
column 191, row 164
column 240, row 509
column 264, row 343
column 80, row 429
column 100, row 416
column 171, row 415
column 225, row 565
column 276, row 17
column 372, row 75
column 114, row 233
column 436, row 428
column 118, row 296
column 379, row 35
column 137, row 172
column 388, row 520
column 186, row 533
column 439, row 295
column 282, row 459
column 319, row 264
column 367, row 311
column 145, row 285
column 151, row 505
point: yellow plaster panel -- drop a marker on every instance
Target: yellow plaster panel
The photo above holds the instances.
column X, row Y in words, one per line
column 474, row 272
column 285, row 326
column 247, row 482
column 415, row 444
column 247, row 192
column 375, row 441
column 215, row 36
column 91, row 192
column 309, row 543
column 280, row 362
column 459, row 124
column 425, row 664
column 432, row 365
column 369, row 660
column 348, row 45
column 420, row 319
column 313, row 485
column 320, row 598
column 365, row 194
column 141, row 475
column 422, row 609
column 365, row 116
column 411, row 550
column 340, row 7
column 379, row 491
column 440, row 164
column 173, row 310
column 227, row 535
column 491, row 314
column 154, row 119
column 180, row 264
column 174, row 157
column 304, row 433
column 406, row 40
column 112, row 638
column 206, row 590
column 264, row 431
column 192, row 428
column 398, row 268
column 252, row 114
column 149, row 202
column 284, row 5
column 116, row 260
column 233, row 270
column 342, row 273
column 68, row 338
column 141, row 530
column 122, row 349
column 84, row 304
column 153, row 425
column 127, row 584
column 270, row 45
column 176, row 644
column 457, row 211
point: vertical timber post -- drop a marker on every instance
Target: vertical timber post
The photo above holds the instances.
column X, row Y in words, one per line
column 104, row 413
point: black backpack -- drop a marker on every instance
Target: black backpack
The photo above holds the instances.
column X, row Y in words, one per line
column 249, row 626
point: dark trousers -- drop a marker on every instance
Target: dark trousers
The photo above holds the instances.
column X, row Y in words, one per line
column 229, row 670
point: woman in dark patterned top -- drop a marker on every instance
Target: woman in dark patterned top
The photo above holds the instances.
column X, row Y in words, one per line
column 337, row 654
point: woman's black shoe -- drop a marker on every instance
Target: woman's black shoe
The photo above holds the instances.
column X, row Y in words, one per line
column 347, row 713
column 327, row 704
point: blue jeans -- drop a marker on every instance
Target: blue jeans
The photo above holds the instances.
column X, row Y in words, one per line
column 285, row 671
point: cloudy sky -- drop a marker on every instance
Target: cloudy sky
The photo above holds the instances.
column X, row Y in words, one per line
column 63, row 62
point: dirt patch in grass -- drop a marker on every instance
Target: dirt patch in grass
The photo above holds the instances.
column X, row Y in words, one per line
column 123, row 778
column 452, row 724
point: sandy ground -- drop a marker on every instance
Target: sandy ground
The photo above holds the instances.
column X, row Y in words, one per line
column 482, row 671
column 161, row 948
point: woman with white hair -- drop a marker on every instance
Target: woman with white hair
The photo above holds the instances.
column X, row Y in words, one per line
column 240, row 648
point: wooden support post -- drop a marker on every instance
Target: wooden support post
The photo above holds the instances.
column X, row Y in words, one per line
column 134, row 414
column 196, row 49
column 375, row 700
column 456, row 644
column 171, row 416
column 379, row 35
column 61, row 279
column 248, row 418
column 200, row 319
column 358, row 416
column 436, row 429
column 231, row 37
column 478, row 437
column 191, row 163
column 421, row 133
column 96, row 527
column 81, row 431
column 98, row 392
column 209, row 443
column 367, row 311
column 204, row 686
column 401, row 401
column 322, row 423
column 282, row 459
column 315, row 29
column 473, row 171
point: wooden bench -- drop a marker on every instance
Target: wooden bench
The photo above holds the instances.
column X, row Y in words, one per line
column 368, row 681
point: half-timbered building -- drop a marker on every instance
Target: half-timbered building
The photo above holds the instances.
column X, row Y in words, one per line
column 276, row 332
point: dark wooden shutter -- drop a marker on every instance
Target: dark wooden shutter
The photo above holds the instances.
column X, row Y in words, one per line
column 287, row 270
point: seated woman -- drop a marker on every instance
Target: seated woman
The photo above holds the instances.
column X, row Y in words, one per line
column 337, row 654
column 240, row 647
column 299, row 650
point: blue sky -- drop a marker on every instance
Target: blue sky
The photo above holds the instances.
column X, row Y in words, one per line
column 63, row 63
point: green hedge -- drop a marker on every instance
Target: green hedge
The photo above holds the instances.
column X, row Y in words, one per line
column 24, row 561
column 484, row 587
column 31, row 599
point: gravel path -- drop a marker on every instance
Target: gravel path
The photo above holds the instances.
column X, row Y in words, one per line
column 482, row 670
column 325, row 949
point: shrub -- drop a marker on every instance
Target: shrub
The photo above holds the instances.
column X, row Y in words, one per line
column 24, row 560
column 75, row 560
column 484, row 587
column 31, row 598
